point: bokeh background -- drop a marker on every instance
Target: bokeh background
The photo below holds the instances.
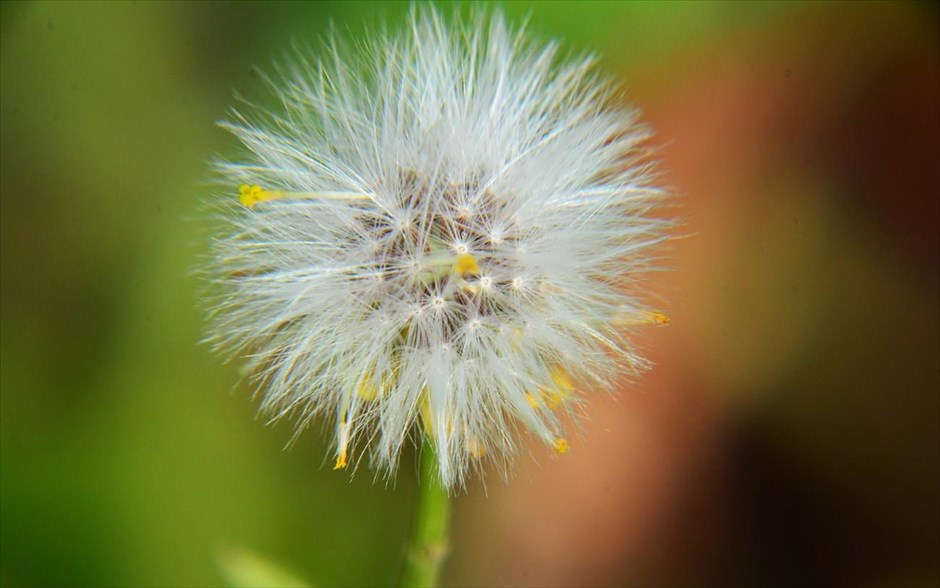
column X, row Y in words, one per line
column 790, row 434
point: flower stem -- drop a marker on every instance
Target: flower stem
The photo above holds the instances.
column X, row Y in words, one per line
column 428, row 546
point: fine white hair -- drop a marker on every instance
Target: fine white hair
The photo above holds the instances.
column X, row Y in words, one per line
column 442, row 231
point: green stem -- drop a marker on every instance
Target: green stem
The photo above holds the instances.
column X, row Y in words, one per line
column 428, row 546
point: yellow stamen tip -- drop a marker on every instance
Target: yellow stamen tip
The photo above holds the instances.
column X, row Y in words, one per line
column 561, row 379
column 340, row 462
column 642, row 319
column 552, row 399
column 466, row 264
column 560, row 446
column 561, row 391
column 249, row 195
column 659, row 318
column 531, row 400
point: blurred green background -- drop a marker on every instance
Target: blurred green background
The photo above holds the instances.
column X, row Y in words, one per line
column 790, row 433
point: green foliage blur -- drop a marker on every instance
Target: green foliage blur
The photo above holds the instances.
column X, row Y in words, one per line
column 131, row 456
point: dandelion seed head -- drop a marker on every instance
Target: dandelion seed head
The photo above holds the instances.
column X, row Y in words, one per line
column 438, row 233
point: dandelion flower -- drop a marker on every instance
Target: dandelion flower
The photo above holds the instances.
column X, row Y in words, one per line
column 439, row 231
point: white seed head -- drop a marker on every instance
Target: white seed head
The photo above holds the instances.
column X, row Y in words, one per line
column 439, row 231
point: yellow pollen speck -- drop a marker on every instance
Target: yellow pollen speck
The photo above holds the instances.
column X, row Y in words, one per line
column 561, row 391
column 641, row 319
column 340, row 461
column 343, row 444
column 552, row 399
column 466, row 264
column 251, row 195
column 659, row 318
column 531, row 400
column 561, row 379
column 560, row 446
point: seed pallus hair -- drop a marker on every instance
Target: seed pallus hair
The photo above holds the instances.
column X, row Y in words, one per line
column 440, row 231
